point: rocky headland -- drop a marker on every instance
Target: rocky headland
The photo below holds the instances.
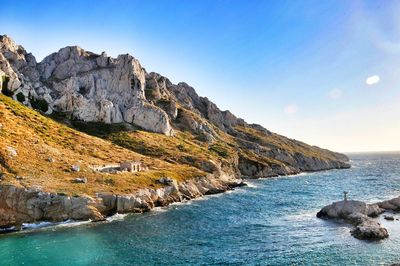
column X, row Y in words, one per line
column 362, row 216
column 78, row 108
column 20, row 205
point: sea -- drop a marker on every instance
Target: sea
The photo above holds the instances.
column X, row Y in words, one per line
column 269, row 222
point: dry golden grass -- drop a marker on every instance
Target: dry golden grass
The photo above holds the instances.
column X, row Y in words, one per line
column 38, row 138
column 291, row 146
column 183, row 148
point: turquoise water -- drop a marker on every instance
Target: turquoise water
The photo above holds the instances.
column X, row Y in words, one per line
column 270, row 222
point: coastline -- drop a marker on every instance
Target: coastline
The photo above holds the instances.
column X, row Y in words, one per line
column 29, row 206
column 57, row 210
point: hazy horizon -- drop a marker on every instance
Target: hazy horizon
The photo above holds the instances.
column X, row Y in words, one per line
column 325, row 73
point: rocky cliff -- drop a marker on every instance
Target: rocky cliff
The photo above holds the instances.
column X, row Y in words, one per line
column 89, row 87
column 93, row 109
column 82, row 85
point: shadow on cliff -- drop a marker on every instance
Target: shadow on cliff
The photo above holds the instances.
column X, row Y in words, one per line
column 104, row 131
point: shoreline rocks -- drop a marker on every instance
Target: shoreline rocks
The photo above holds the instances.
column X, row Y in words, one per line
column 20, row 205
column 388, row 217
column 361, row 215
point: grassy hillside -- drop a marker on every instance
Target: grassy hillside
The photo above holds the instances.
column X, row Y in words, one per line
column 38, row 140
column 276, row 141
column 46, row 149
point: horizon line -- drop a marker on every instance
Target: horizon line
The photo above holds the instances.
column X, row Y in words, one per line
column 381, row 151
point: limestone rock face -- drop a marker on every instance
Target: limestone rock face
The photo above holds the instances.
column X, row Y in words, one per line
column 83, row 85
column 167, row 95
column 203, row 118
column 90, row 87
column 19, row 205
column 93, row 87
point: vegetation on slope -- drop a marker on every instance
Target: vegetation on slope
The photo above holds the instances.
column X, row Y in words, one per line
column 46, row 151
column 47, row 148
column 275, row 141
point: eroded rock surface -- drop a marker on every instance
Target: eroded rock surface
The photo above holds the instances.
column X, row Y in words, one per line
column 90, row 87
column 83, row 85
column 19, row 205
column 360, row 215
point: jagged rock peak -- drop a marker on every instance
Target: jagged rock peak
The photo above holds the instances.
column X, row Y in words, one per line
column 83, row 85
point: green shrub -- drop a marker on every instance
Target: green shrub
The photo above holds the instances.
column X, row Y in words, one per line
column 181, row 147
column 150, row 94
column 218, row 149
column 109, row 181
column 21, row 97
column 39, row 104
column 4, row 87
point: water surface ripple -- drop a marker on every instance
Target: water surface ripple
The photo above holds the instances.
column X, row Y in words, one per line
column 270, row 222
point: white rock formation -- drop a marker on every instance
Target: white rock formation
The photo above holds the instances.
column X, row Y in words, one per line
column 83, row 85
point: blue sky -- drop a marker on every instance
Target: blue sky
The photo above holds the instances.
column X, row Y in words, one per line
column 299, row 68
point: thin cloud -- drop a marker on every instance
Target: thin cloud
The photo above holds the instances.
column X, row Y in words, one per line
column 372, row 80
column 335, row 94
column 291, row 109
column 389, row 47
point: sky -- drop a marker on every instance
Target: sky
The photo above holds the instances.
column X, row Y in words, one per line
column 323, row 72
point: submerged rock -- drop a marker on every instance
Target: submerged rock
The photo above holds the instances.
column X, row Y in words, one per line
column 388, row 217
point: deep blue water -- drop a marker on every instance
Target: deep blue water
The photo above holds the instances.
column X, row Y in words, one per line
column 270, row 222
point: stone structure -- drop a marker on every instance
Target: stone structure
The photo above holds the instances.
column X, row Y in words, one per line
column 132, row 166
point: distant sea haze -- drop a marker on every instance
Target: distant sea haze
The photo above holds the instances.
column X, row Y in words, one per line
column 270, row 222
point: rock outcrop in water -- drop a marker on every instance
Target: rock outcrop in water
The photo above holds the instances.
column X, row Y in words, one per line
column 361, row 215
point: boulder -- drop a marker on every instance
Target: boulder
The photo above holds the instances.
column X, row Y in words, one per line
column 165, row 181
column 75, row 168
column 342, row 209
column 388, row 217
column 369, row 230
column 392, row 204
column 12, row 151
column 360, row 215
column 80, row 180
